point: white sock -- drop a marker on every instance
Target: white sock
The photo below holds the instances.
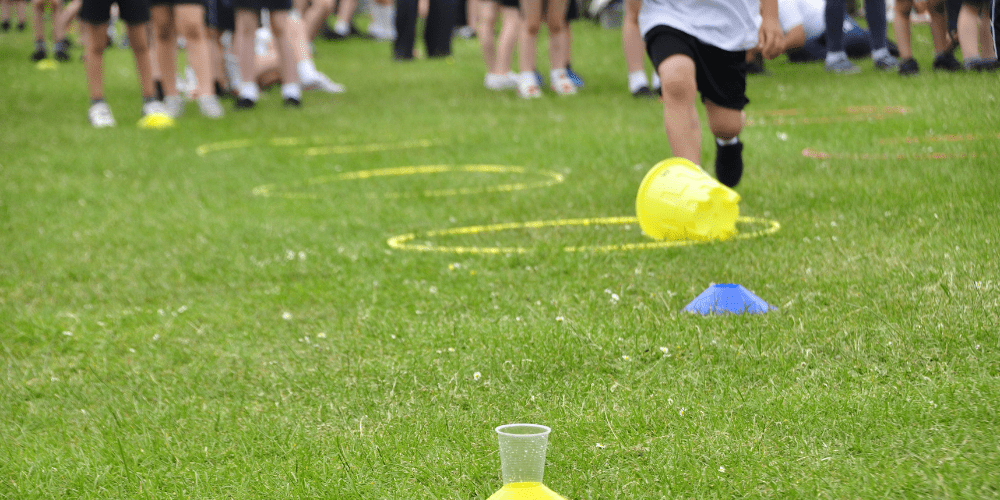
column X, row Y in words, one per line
column 291, row 90
column 880, row 53
column 342, row 28
column 727, row 142
column 656, row 81
column 306, row 69
column 558, row 74
column 527, row 77
column 832, row 57
column 249, row 90
column 637, row 80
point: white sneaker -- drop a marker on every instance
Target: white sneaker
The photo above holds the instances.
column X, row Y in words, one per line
column 319, row 81
column 154, row 108
column 494, row 81
column 100, row 115
column 561, row 83
column 528, row 87
column 209, row 106
column 174, row 105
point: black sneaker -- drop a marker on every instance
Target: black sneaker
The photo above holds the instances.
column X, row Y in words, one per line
column 20, row 26
column 293, row 102
column 5, row 26
column 729, row 163
column 38, row 55
column 244, row 103
column 643, row 92
column 62, row 55
column 946, row 61
column 908, row 67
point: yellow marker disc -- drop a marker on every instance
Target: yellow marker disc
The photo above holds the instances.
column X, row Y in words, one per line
column 47, row 64
column 156, row 121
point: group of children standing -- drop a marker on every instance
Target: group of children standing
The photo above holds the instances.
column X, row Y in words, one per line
column 698, row 49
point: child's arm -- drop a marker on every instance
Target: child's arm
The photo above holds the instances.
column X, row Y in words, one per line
column 769, row 39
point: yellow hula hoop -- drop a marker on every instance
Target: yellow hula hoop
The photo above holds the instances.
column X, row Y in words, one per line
column 402, row 242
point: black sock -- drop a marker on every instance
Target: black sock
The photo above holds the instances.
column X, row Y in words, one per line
column 96, row 100
column 219, row 91
column 729, row 163
column 158, row 85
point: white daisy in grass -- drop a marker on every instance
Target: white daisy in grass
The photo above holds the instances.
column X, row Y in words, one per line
column 477, row 376
column 665, row 351
column 67, row 333
column 599, row 446
column 451, row 349
column 682, row 412
column 286, row 315
column 626, row 357
column 321, row 335
column 560, row 319
column 722, row 469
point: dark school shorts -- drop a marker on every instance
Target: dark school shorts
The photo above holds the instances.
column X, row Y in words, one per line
column 509, row 3
column 721, row 75
column 219, row 15
column 177, row 2
column 99, row 11
column 271, row 5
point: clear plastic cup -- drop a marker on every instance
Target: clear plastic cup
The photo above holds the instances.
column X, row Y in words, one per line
column 522, row 452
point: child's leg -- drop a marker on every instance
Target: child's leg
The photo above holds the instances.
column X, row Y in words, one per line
column 190, row 23
column 57, row 32
column 165, row 54
column 510, row 26
column 968, row 32
column 939, row 26
column 555, row 19
column 38, row 20
column 680, row 117
column 243, row 40
column 95, row 39
column 632, row 43
column 143, row 62
column 5, row 13
column 985, row 36
column 901, row 23
column 725, row 123
column 487, row 20
column 531, row 21
column 283, row 36
column 876, row 16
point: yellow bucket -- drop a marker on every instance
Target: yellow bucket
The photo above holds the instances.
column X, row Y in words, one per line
column 677, row 200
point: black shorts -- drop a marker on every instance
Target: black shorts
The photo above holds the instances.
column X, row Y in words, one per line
column 271, row 5
column 99, row 11
column 509, row 3
column 572, row 11
column 219, row 15
column 721, row 75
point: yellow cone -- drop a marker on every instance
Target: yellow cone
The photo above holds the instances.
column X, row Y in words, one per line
column 525, row 491
column 677, row 200
column 156, row 121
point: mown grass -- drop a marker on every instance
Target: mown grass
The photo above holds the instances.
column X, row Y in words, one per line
column 168, row 334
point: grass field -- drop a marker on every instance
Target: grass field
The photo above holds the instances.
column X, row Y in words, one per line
column 230, row 321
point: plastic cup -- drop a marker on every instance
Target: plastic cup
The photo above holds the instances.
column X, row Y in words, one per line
column 677, row 200
column 522, row 452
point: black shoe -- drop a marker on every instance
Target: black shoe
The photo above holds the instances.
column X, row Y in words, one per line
column 61, row 55
column 754, row 68
column 5, row 26
column 643, row 92
column 293, row 102
column 244, row 103
column 327, row 33
column 38, row 55
column 20, row 26
column 946, row 61
column 729, row 163
column 908, row 67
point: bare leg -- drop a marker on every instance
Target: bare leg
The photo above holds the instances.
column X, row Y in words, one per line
column 555, row 19
column 487, row 19
column 902, row 25
column 509, row 28
column 283, row 37
column 985, row 36
column 95, row 39
column 677, row 77
column 968, row 32
column 939, row 28
column 143, row 64
column 243, row 39
column 165, row 32
column 190, row 22
column 531, row 21
column 631, row 38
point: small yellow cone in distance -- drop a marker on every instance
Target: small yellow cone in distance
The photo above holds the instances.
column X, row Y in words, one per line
column 156, row 121
column 525, row 491
column 47, row 64
column 677, row 200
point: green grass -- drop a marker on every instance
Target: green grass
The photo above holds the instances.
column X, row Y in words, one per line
column 165, row 333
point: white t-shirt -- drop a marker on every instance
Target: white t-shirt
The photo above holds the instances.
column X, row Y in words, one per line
column 728, row 24
column 810, row 14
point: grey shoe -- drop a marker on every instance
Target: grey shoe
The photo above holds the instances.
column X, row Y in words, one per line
column 886, row 63
column 154, row 108
column 210, row 107
column 100, row 115
column 174, row 105
column 842, row 67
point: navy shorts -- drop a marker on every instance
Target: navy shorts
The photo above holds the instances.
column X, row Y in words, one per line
column 721, row 75
column 99, row 11
column 271, row 5
column 219, row 15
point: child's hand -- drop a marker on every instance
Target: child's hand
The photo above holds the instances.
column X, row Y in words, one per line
column 769, row 39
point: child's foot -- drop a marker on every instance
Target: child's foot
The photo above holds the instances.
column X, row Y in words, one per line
column 908, row 67
column 494, row 81
column 561, row 83
column 100, row 115
column 5, row 26
column 643, row 92
column 575, row 78
column 209, row 106
column 20, row 26
column 841, row 66
column 319, row 81
column 174, row 105
column 528, row 87
column 946, row 61
column 729, row 163
column 292, row 102
column 154, row 108
column 885, row 62
column 39, row 54
column 245, row 103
